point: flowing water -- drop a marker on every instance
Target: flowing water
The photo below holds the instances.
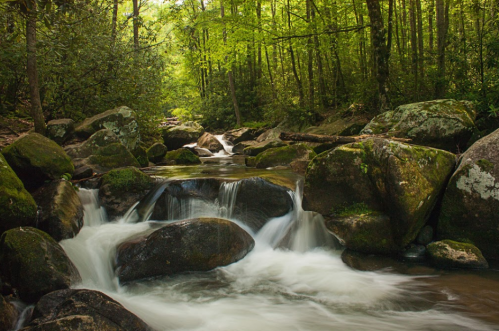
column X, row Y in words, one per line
column 294, row 279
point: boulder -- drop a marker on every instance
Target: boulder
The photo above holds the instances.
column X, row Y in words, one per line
column 156, row 152
column 35, row 159
column 140, row 154
column 176, row 137
column 82, row 310
column 400, row 180
column 120, row 120
column 470, row 206
column 257, row 148
column 202, row 152
column 121, row 188
column 270, row 134
column 446, row 124
column 60, row 210
column 200, row 244
column 60, row 130
column 239, row 147
column 208, row 141
column 17, row 207
column 34, row 263
column 89, row 147
column 447, row 254
column 284, row 156
column 8, row 315
column 109, row 157
column 242, row 134
column 181, row 156
column 340, row 127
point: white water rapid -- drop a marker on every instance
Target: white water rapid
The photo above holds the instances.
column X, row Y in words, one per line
column 303, row 286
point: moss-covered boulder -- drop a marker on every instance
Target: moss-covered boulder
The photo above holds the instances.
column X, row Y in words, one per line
column 284, row 156
column 340, row 127
column 447, row 254
column 140, row 154
column 90, row 146
column 210, row 142
column 181, row 156
column 111, row 157
column 242, row 134
column 199, row 244
column 34, row 263
column 470, row 206
column 82, row 310
column 121, row 188
column 60, row 210
column 60, row 130
column 120, row 120
column 445, row 124
column 156, row 152
column 35, row 159
column 260, row 147
column 8, row 315
column 17, row 207
column 400, row 180
column 239, row 147
column 176, row 137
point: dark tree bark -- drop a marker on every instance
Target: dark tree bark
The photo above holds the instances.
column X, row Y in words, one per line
column 442, row 10
column 135, row 24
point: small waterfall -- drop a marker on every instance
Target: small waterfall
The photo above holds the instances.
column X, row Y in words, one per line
column 24, row 316
column 227, row 198
column 95, row 214
column 142, row 210
column 227, row 146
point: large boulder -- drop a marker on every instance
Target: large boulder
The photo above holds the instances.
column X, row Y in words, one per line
column 8, row 315
column 36, row 159
column 34, row 263
column 210, row 142
column 120, row 120
column 259, row 147
column 340, row 127
column 121, row 188
column 400, row 180
column 90, row 146
column 198, row 244
column 17, row 207
column 60, row 130
column 109, row 157
column 470, row 206
column 284, row 156
column 60, row 210
column 447, row 254
column 156, row 152
column 242, row 134
column 445, row 124
column 181, row 156
column 239, row 147
column 176, row 137
column 270, row 134
column 82, row 310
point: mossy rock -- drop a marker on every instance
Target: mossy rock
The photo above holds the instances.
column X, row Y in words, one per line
column 140, row 154
column 239, row 147
column 35, row 159
column 60, row 130
column 284, row 156
column 17, row 207
column 242, row 134
column 176, row 137
column 111, row 157
column 182, row 156
column 34, row 263
column 260, row 147
column 341, row 127
column 448, row 254
column 156, row 152
column 90, row 146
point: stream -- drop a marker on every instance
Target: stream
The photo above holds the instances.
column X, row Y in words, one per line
column 303, row 285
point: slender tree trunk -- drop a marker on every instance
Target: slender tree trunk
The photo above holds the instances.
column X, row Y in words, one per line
column 431, row 13
column 114, row 22
column 442, row 25
column 293, row 62
column 32, row 72
column 420, row 40
column 310, row 63
column 135, row 24
column 414, row 43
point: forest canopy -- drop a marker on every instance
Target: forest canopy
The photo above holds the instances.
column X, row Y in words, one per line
column 231, row 63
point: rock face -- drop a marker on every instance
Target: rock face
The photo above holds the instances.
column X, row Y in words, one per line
column 121, row 188
column 283, row 156
column 470, row 206
column 208, row 141
column 60, row 130
column 239, row 147
column 90, row 146
column 444, row 124
column 270, row 134
column 61, row 211
column 239, row 135
column 399, row 180
column 341, row 127
column 257, row 148
column 8, row 315
column 17, row 207
column 120, row 120
column 451, row 254
column 156, row 152
column 181, row 156
column 109, row 157
column 198, row 244
column 35, row 159
column 82, row 310
column 176, row 137
column 34, row 263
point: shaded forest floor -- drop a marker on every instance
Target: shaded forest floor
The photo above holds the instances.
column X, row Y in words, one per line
column 12, row 128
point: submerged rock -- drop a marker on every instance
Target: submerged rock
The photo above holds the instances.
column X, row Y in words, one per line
column 198, row 244
column 60, row 130
column 284, row 156
column 470, row 206
column 451, row 254
column 35, row 159
column 446, row 124
column 34, row 263
column 176, row 137
column 208, row 141
column 82, row 310
column 156, row 152
column 61, row 212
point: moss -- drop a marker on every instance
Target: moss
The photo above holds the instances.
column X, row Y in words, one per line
column 156, row 152
column 113, row 156
column 283, row 155
column 126, row 179
column 182, row 156
column 454, row 254
column 355, row 209
column 141, row 156
column 485, row 165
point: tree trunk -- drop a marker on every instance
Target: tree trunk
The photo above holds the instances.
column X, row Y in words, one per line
column 414, row 42
column 441, row 40
column 420, row 40
column 135, row 24
column 32, row 72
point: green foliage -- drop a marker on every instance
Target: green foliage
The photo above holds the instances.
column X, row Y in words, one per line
column 356, row 209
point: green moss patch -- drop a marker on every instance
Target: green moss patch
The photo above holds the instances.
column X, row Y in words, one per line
column 126, row 179
column 182, row 156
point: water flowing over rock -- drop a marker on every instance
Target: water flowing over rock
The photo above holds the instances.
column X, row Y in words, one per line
column 17, row 207
column 198, row 244
column 120, row 120
column 34, row 263
column 210, row 142
column 8, row 315
column 446, row 124
column 60, row 130
column 61, row 212
column 452, row 254
column 35, row 159
column 176, row 137
column 156, row 152
column 82, row 310
column 400, row 180
column 470, row 206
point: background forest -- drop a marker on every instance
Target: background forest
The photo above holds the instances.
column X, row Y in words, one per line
column 238, row 62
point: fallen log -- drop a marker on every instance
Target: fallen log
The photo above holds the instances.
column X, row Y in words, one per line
column 318, row 138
